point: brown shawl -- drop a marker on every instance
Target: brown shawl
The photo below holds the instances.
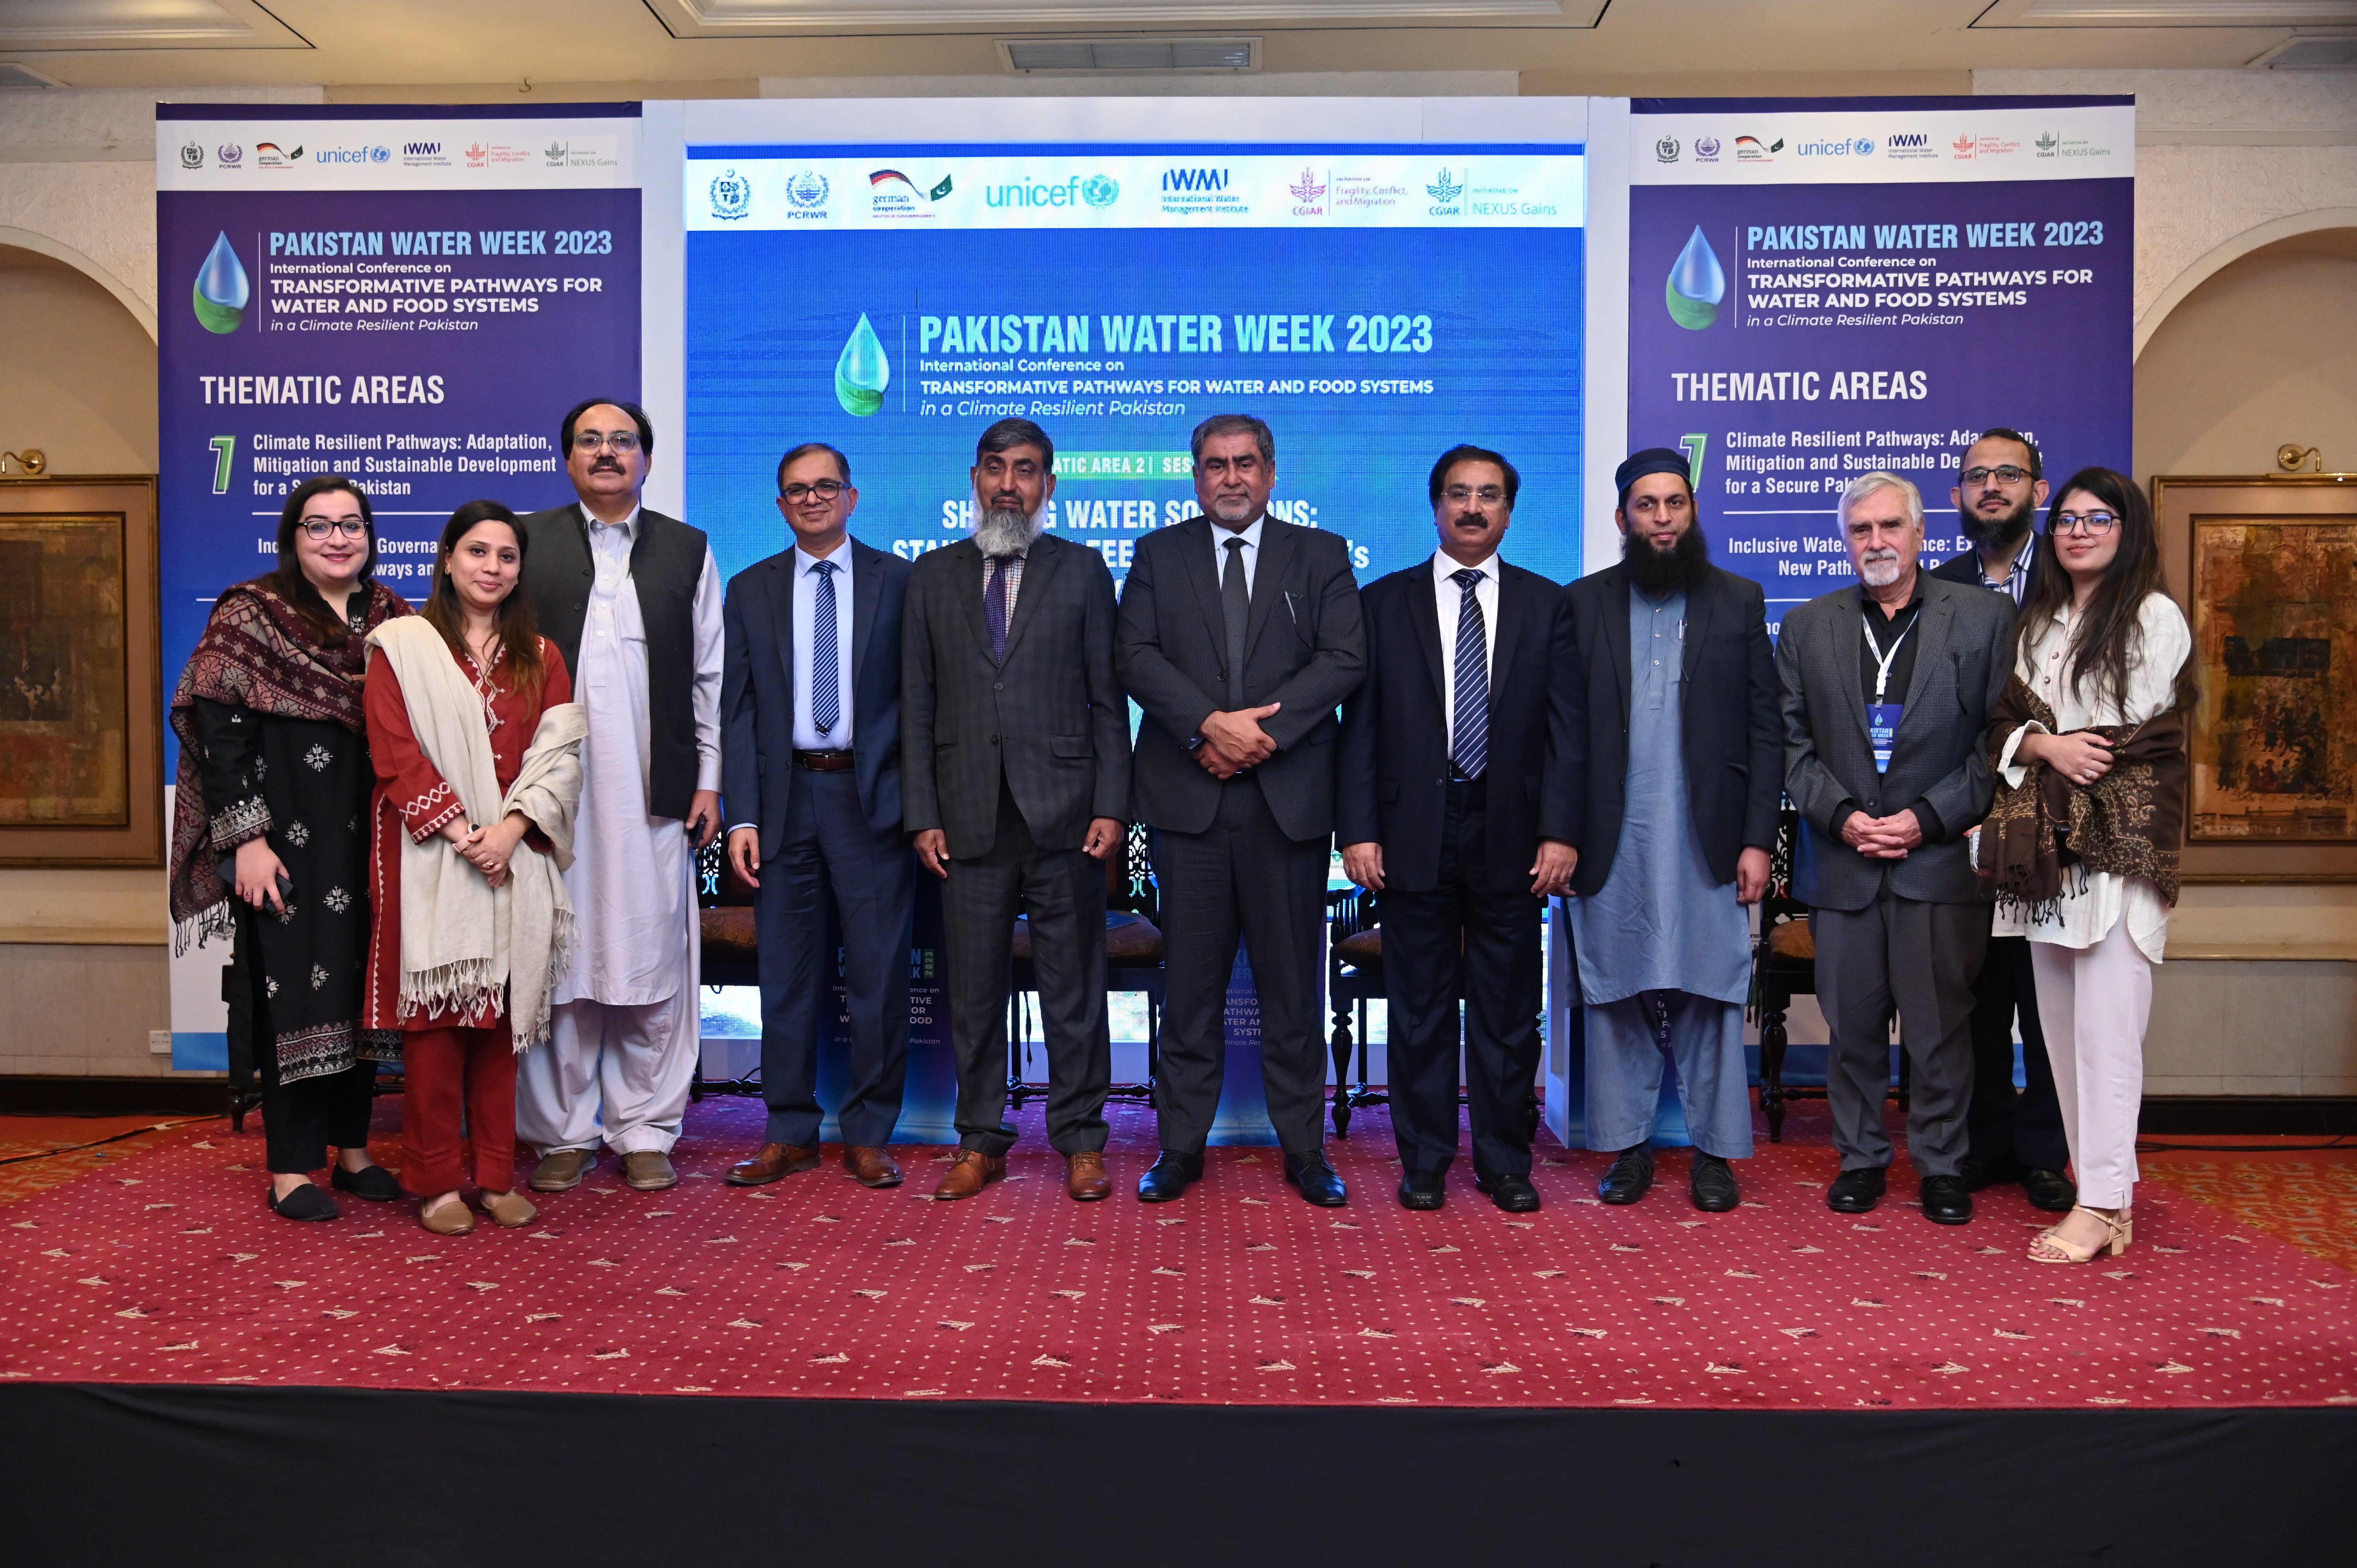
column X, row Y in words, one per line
column 256, row 652
column 2043, row 835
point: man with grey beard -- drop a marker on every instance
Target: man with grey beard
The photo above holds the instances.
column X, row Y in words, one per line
column 1887, row 689
column 1015, row 768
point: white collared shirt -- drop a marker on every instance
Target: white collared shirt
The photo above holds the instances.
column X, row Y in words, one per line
column 1250, row 534
column 806, row 731
column 1446, row 598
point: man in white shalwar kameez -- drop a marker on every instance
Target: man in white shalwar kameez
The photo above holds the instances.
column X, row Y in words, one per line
column 632, row 598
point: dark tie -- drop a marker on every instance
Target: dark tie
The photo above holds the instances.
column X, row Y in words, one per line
column 1469, row 739
column 1235, row 601
column 994, row 606
column 826, row 668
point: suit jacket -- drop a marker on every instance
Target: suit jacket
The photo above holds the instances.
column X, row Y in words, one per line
column 1393, row 783
column 1961, row 667
column 1967, row 569
column 1050, row 720
column 1304, row 647
column 1732, row 738
column 757, row 692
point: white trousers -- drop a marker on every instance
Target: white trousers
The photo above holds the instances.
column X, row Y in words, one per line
column 620, row 1073
column 2094, row 1004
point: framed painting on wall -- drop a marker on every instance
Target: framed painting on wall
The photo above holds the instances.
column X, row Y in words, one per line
column 80, row 702
column 2268, row 570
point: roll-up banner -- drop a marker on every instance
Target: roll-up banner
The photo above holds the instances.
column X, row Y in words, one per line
column 411, row 296
column 1818, row 289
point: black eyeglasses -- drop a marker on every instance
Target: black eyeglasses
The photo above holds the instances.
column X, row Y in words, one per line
column 1488, row 495
column 321, row 527
column 2093, row 524
column 825, row 489
column 2003, row 474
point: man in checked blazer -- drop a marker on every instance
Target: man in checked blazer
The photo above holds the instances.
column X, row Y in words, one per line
column 1015, row 779
column 1239, row 634
column 1887, row 688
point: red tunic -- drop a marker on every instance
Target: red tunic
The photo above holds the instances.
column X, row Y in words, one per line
column 413, row 799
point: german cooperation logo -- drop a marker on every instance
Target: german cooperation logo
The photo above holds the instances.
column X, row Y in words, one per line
column 732, row 196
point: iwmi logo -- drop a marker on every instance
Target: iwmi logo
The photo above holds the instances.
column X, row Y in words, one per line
column 1900, row 141
column 421, row 149
column 1204, row 180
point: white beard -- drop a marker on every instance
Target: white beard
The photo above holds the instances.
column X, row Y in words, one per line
column 1005, row 532
column 1879, row 569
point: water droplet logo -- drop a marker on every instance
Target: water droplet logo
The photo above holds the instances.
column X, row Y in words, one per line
column 862, row 372
column 221, row 289
column 1696, row 284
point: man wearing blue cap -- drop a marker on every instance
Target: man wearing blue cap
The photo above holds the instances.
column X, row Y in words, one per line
column 1676, row 764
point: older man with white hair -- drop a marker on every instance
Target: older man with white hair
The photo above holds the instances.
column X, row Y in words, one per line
column 1887, row 689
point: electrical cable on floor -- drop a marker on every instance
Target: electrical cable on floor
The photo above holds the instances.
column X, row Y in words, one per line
column 95, row 1142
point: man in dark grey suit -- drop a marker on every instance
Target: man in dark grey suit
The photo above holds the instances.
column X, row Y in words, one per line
column 1016, row 782
column 810, row 715
column 1239, row 635
column 1887, row 689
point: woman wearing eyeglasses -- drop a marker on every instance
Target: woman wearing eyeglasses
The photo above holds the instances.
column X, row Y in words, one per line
column 2089, row 745
column 269, row 846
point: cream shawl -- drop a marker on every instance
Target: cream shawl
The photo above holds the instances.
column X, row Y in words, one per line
column 462, row 941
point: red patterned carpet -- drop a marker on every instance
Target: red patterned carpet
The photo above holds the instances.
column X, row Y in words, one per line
column 160, row 1265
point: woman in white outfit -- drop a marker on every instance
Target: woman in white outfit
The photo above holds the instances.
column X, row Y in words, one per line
column 2089, row 745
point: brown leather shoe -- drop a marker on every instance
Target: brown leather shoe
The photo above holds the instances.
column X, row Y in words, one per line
column 563, row 1169
column 648, row 1170
column 872, row 1168
column 775, row 1160
column 1084, row 1176
column 971, row 1170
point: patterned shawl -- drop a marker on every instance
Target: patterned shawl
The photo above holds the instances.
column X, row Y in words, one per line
column 256, row 652
column 2043, row 835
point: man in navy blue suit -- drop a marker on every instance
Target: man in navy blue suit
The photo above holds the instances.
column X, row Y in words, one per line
column 810, row 713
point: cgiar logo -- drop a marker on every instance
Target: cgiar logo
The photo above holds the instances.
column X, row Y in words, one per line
column 221, row 289
column 732, row 195
column 1444, row 191
column 1309, row 193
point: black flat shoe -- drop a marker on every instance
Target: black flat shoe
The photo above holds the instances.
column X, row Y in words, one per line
column 1513, row 1193
column 1170, row 1176
column 1945, row 1201
column 2051, row 1191
column 371, row 1184
column 1979, row 1173
column 1631, row 1174
column 1422, row 1190
column 305, row 1202
column 1857, row 1192
column 1316, row 1179
column 1712, row 1186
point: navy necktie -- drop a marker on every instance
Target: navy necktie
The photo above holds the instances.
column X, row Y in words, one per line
column 994, row 606
column 826, row 657
column 1469, row 738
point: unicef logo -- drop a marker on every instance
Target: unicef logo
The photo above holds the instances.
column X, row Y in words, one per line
column 807, row 188
column 1863, row 147
column 1100, row 190
column 380, row 155
column 732, row 196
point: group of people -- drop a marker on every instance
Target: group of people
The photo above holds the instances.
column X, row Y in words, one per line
column 1987, row 761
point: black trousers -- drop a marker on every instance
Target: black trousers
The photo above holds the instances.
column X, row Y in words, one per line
column 1466, row 936
column 831, row 857
column 2006, row 1126
column 1062, row 893
column 1241, row 878
column 302, row 1119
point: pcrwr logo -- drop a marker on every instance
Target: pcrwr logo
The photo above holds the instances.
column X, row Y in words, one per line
column 192, row 155
column 270, row 155
column 1706, row 149
column 808, row 190
column 1445, row 190
column 1666, row 150
column 1752, row 150
column 231, row 154
column 732, row 196
column 1309, row 195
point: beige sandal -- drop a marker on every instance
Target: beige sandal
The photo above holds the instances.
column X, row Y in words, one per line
column 510, row 1209
column 2051, row 1247
column 450, row 1218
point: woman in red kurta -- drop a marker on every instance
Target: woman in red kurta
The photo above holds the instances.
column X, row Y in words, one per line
column 454, row 1063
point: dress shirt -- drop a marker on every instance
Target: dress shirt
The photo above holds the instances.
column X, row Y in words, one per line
column 2016, row 577
column 806, row 576
column 1014, row 578
column 1902, row 676
column 1446, row 598
column 1250, row 534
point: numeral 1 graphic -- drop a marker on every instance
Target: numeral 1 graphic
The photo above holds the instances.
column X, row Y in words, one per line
column 1693, row 446
column 224, row 454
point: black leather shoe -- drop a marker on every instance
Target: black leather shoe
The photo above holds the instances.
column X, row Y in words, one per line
column 1857, row 1192
column 1712, row 1186
column 1631, row 1174
column 1979, row 1174
column 2051, row 1191
column 373, row 1184
column 1513, row 1193
column 1424, row 1190
column 1171, row 1174
column 1316, row 1179
column 1945, row 1201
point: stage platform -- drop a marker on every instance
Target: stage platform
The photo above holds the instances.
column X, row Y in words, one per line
column 144, row 1287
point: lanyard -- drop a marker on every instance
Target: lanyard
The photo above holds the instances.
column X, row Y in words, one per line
column 1882, row 660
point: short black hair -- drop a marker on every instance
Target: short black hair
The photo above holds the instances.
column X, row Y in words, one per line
column 1999, row 432
column 1008, row 432
column 638, row 417
column 842, row 462
column 1462, row 453
column 1235, row 424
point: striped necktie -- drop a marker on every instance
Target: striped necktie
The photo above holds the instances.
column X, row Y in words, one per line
column 1469, row 738
column 827, row 654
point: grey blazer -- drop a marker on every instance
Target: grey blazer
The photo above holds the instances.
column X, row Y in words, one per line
column 1050, row 720
column 1961, row 665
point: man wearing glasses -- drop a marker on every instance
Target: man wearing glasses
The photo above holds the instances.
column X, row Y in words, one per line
column 2015, row 1135
column 811, row 708
column 632, row 600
